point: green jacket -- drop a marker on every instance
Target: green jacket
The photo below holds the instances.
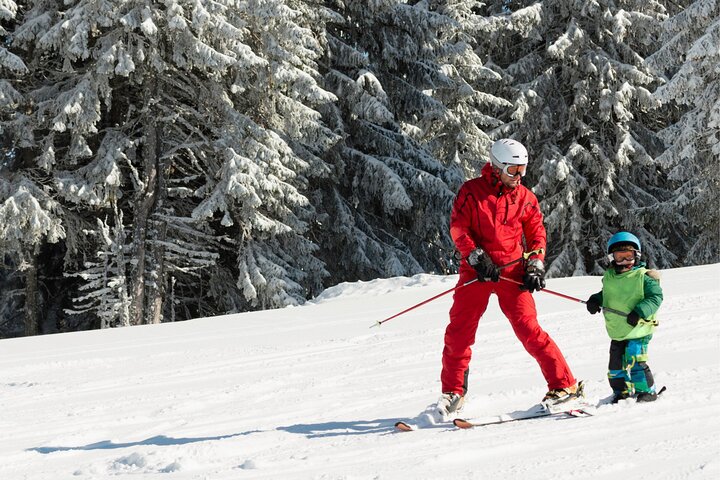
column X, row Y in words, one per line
column 638, row 290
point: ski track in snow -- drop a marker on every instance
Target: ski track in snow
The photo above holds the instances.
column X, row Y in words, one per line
column 313, row 392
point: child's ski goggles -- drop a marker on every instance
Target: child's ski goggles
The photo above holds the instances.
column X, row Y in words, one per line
column 624, row 256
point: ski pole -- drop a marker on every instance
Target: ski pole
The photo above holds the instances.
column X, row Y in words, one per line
column 524, row 256
column 377, row 324
column 568, row 297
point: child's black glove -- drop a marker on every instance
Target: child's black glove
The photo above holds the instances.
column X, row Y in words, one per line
column 633, row 318
column 592, row 306
column 485, row 268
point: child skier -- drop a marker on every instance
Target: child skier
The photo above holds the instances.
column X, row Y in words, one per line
column 628, row 286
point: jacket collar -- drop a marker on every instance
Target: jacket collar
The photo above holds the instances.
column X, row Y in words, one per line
column 637, row 266
column 493, row 179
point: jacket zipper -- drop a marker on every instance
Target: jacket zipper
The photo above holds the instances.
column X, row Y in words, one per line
column 507, row 209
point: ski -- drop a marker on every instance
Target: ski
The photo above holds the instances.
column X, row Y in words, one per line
column 404, row 427
column 411, row 426
column 579, row 412
column 661, row 391
column 609, row 400
column 507, row 418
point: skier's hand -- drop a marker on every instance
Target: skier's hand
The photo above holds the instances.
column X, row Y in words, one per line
column 633, row 318
column 592, row 306
column 534, row 278
column 485, row 268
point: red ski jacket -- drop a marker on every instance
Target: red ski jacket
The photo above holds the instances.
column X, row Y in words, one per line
column 488, row 215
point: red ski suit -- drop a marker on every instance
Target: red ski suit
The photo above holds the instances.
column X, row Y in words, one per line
column 488, row 215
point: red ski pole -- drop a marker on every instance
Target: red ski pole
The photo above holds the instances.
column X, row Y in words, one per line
column 524, row 256
column 378, row 323
column 568, row 297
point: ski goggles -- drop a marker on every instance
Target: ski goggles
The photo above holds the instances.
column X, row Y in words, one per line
column 625, row 256
column 512, row 170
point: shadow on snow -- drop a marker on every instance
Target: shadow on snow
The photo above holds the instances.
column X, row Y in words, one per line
column 159, row 440
column 310, row 430
column 357, row 427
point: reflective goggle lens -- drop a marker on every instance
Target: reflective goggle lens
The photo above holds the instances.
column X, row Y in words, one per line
column 624, row 256
column 515, row 170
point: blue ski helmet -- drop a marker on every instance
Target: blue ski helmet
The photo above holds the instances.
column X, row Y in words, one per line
column 623, row 237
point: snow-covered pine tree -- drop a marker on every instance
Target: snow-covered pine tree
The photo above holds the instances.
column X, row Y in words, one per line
column 688, row 60
column 478, row 100
column 583, row 93
column 278, row 144
column 387, row 209
column 29, row 216
column 104, row 278
column 162, row 111
column 291, row 37
column 86, row 129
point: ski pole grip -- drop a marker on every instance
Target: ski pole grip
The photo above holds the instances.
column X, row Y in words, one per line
column 529, row 254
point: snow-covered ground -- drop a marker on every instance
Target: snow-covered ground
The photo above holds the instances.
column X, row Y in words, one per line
column 313, row 392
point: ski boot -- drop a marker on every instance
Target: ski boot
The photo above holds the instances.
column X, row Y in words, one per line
column 620, row 396
column 643, row 397
column 449, row 404
column 562, row 398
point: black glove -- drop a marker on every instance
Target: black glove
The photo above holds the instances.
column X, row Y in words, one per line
column 592, row 306
column 485, row 268
column 534, row 278
column 633, row 318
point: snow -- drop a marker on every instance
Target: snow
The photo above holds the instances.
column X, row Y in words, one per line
column 313, row 392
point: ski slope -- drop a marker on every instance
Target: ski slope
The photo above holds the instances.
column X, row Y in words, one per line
column 312, row 392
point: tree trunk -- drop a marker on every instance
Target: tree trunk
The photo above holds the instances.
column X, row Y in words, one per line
column 32, row 314
column 157, row 292
column 144, row 204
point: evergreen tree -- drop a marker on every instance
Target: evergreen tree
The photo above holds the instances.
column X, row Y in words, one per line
column 406, row 79
column 162, row 114
column 165, row 161
column 278, row 264
column 477, row 100
column 29, row 218
column 688, row 62
column 583, row 93
column 104, row 279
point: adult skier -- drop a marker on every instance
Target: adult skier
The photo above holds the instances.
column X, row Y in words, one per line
column 628, row 286
column 490, row 216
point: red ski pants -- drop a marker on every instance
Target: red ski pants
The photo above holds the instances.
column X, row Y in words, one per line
column 469, row 304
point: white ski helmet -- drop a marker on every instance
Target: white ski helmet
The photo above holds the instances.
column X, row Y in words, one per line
column 506, row 152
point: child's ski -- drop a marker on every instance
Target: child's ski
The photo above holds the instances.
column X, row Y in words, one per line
column 609, row 400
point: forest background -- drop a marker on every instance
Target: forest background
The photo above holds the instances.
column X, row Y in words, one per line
column 168, row 160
